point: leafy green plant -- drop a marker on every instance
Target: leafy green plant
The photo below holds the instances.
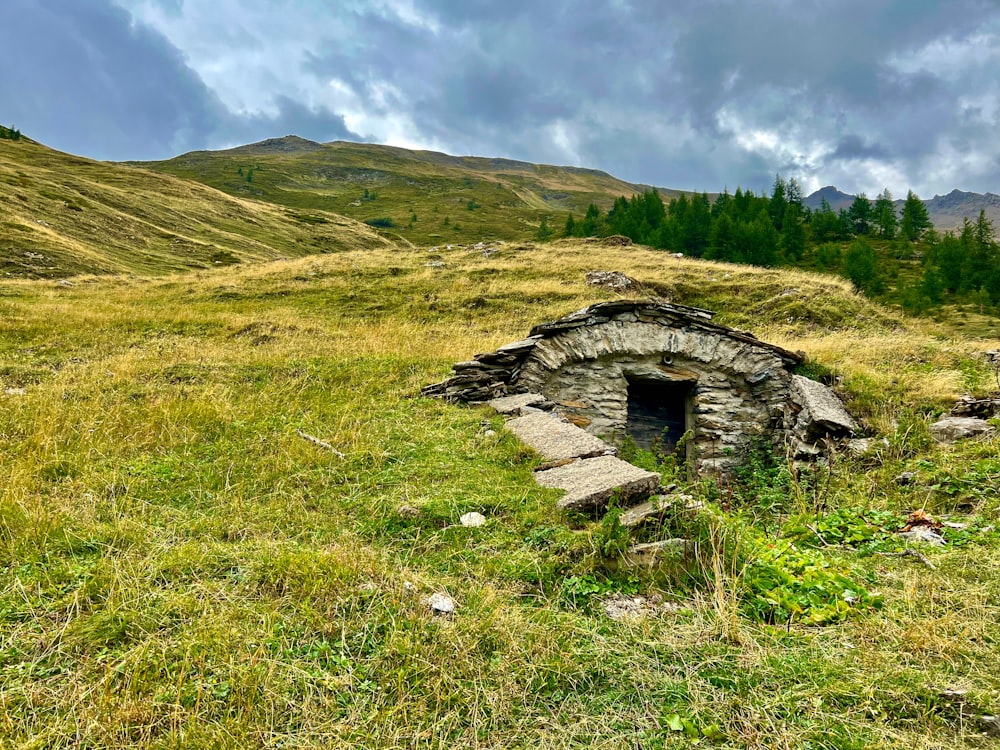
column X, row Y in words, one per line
column 657, row 458
column 577, row 591
column 763, row 482
column 610, row 537
column 850, row 527
column 785, row 583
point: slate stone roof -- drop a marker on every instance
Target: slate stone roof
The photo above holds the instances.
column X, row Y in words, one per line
column 494, row 374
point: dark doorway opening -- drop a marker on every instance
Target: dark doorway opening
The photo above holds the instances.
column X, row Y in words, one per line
column 658, row 413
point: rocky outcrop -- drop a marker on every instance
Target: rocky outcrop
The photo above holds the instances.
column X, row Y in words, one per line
column 980, row 408
column 612, row 280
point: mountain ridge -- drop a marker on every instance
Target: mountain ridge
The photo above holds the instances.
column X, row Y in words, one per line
column 66, row 215
column 421, row 197
column 946, row 212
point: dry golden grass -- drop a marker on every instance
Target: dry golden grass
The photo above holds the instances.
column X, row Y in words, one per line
column 181, row 569
column 64, row 215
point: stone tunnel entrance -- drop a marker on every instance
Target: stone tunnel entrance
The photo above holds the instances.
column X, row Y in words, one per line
column 634, row 368
column 659, row 413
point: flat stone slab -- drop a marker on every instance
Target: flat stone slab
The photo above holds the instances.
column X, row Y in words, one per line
column 520, row 346
column 658, row 507
column 950, row 429
column 822, row 412
column 654, row 552
column 555, row 439
column 590, row 483
column 514, row 404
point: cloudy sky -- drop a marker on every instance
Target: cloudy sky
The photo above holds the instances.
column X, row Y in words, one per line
column 691, row 94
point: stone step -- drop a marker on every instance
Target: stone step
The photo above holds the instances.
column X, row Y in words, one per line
column 652, row 553
column 556, row 439
column 659, row 506
column 590, row 483
column 519, row 403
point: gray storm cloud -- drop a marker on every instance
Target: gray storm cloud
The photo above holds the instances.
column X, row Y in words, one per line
column 695, row 95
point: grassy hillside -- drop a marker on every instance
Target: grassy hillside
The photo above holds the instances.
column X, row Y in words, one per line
column 454, row 199
column 182, row 569
column 62, row 215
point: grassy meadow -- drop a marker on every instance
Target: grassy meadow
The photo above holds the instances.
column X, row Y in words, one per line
column 181, row 569
column 63, row 215
column 415, row 197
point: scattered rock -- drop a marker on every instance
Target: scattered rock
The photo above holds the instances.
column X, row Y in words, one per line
column 951, row 429
column 488, row 248
column 863, row 446
column 623, row 607
column 955, row 694
column 981, row 408
column 434, row 264
column 906, row 478
column 921, row 518
column 612, row 280
column 472, row 520
column 441, row 604
column 989, row 725
column 408, row 511
column 15, row 391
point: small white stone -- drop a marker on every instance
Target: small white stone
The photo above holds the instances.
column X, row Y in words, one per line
column 472, row 520
column 441, row 604
column 15, row 391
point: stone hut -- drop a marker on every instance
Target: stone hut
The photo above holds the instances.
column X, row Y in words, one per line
column 656, row 371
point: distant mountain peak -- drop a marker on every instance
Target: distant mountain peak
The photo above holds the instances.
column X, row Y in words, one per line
column 832, row 195
column 946, row 211
column 285, row 144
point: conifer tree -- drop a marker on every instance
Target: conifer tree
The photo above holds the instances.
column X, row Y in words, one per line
column 861, row 267
column 776, row 208
column 860, row 215
column 915, row 220
column 793, row 233
column 884, row 215
column 570, row 228
column 590, row 225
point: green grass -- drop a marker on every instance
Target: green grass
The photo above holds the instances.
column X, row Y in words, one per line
column 454, row 199
column 62, row 215
column 182, row 569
